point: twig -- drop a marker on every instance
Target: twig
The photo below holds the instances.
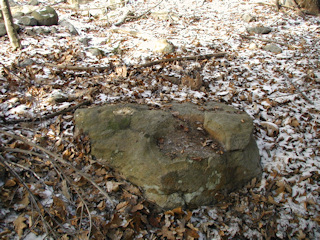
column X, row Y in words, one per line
column 59, row 159
column 297, row 88
column 47, row 116
column 74, row 68
column 199, row 57
column 128, row 16
column 264, row 40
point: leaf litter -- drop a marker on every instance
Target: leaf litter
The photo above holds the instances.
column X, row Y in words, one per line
column 49, row 198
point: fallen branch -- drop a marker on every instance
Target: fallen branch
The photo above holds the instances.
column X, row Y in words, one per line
column 47, row 116
column 199, row 57
column 297, row 88
column 265, row 40
column 74, row 68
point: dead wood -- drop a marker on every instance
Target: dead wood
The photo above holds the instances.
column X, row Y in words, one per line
column 75, row 68
column 198, row 57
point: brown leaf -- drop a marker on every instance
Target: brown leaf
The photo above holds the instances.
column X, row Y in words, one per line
column 137, row 207
column 65, row 190
column 58, row 208
column 19, row 224
column 23, row 203
column 10, row 183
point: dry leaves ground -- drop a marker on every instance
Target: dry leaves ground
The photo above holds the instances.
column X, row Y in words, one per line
column 51, row 186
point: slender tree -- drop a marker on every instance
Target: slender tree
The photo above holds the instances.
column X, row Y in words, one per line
column 8, row 21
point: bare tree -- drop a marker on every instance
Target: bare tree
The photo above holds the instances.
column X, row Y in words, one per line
column 8, row 21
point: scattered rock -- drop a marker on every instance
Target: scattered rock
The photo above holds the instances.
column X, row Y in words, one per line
column 26, row 62
column 3, row 30
column 181, row 156
column 248, row 18
column 25, row 9
column 272, row 48
column 27, row 21
column 17, row 14
column 34, row 2
column 96, row 52
column 85, row 41
column 46, row 16
column 160, row 46
column 259, row 30
column 69, row 26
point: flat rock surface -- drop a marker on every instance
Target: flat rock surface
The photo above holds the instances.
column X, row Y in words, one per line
column 180, row 155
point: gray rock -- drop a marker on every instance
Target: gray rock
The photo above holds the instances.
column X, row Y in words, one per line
column 70, row 27
column 272, row 48
column 182, row 155
column 34, row 2
column 27, row 21
column 259, row 30
column 3, row 30
column 26, row 62
column 46, row 16
column 17, row 14
column 85, row 41
column 96, row 52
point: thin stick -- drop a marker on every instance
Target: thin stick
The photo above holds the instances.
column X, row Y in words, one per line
column 297, row 88
column 198, row 57
column 128, row 17
column 47, row 116
column 74, row 68
column 59, row 159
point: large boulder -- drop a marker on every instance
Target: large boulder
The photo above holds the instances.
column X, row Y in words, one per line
column 46, row 16
column 180, row 155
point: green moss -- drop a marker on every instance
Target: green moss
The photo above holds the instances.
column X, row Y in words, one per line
column 119, row 123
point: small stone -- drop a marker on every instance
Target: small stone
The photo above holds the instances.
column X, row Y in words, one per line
column 27, row 21
column 252, row 46
column 85, row 41
column 96, row 52
column 34, row 2
column 3, row 30
column 272, row 48
column 160, row 46
column 247, row 18
column 69, row 26
column 259, row 30
column 17, row 14
column 26, row 62
column 46, row 16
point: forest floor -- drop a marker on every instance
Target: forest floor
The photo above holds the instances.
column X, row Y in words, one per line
column 52, row 187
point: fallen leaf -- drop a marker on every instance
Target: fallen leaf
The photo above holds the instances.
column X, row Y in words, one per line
column 19, row 224
column 65, row 190
column 10, row 183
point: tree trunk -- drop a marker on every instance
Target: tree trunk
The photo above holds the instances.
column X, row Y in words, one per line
column 8, row 21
